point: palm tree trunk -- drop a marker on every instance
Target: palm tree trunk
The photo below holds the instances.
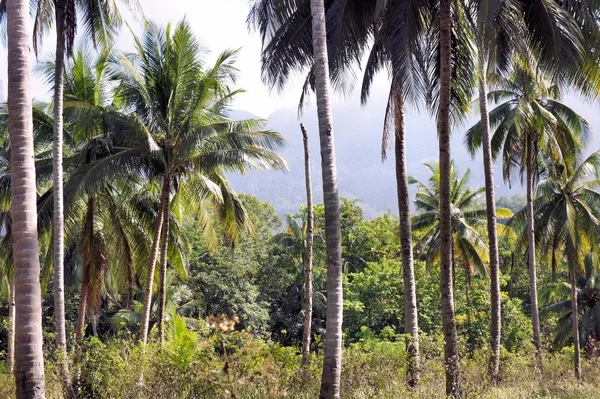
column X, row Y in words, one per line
column 11, row 329
column 490, row 200
column 555, row 243
column 453, row 387
column 411, row 324
column 83, row 296
column 152, row 264
column 57, row 182
column 572, row 255
column 332, row 362
column 308, row 258
column 29, row 358
column 531, row 253
column 163, row 262
column 94, row 319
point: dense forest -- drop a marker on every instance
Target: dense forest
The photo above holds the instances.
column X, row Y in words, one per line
column 131, row 267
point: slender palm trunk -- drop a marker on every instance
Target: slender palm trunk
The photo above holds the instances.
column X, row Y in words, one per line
column 531, row 252
column 29, row 358
column 308, row 257
column 453, row 386
column 163, row 263
column 11, row 329
column 411, row 324
column 151, row 265
column 83, row 297
column 332, row 362
column 57, row 181
column 555, row 243
column 94, row 319
column 490, row 200
column 572, row 256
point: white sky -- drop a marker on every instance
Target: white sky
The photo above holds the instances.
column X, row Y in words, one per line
column 218, row 24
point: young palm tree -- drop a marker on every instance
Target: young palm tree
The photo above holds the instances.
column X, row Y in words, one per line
column 29, row 360
column 532, row 121
column 588, row 306
column 468, row 219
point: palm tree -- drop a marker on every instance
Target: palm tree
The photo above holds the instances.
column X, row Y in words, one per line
column 29, row 360
column 101, row 22
column 552, row 32
column 42, row 140
column 468, row 219
column 176, row 130
column 351, row 25
column 453, row 385
column 588, row 306
column 531, row 122
column 566, row 207
column 308, row 256
column 332, row 362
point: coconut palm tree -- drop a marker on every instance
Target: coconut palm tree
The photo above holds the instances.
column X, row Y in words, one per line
column 29, row 360
column 468, row 219
column 101, row 22
column 587, row 290
column 529, row 123
column 566, row 209
column 175, row 129
column 558, row 44
column 332, row 362
column 42, row 141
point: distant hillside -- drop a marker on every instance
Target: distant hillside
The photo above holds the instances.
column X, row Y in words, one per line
column 361, row 174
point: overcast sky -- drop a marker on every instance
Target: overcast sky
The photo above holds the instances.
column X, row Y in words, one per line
column 219, row 24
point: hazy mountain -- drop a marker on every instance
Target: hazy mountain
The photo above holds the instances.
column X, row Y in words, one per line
column 361, row 173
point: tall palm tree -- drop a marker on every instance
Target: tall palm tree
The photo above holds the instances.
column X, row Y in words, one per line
column 29, row 360
column 332, row 362
column 549, row 28
column 566, row 207
column 174, row 122
column 453, row 384
column 42, row 141
column 529, row 123
column 101, row 22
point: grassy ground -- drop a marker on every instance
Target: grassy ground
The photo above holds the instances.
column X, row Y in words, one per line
column 251, row 369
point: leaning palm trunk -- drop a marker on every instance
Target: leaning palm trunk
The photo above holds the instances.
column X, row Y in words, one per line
column 57, row 181
column 83, row 295
column 572, row 258
column 535, row 315
column 163, row 263
column 11, row 329
column 411, row 325
column 451, row 358
column 490, row 200
column 332, row 362
column 308, row 256
column 29, row 359
column 151, row 266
